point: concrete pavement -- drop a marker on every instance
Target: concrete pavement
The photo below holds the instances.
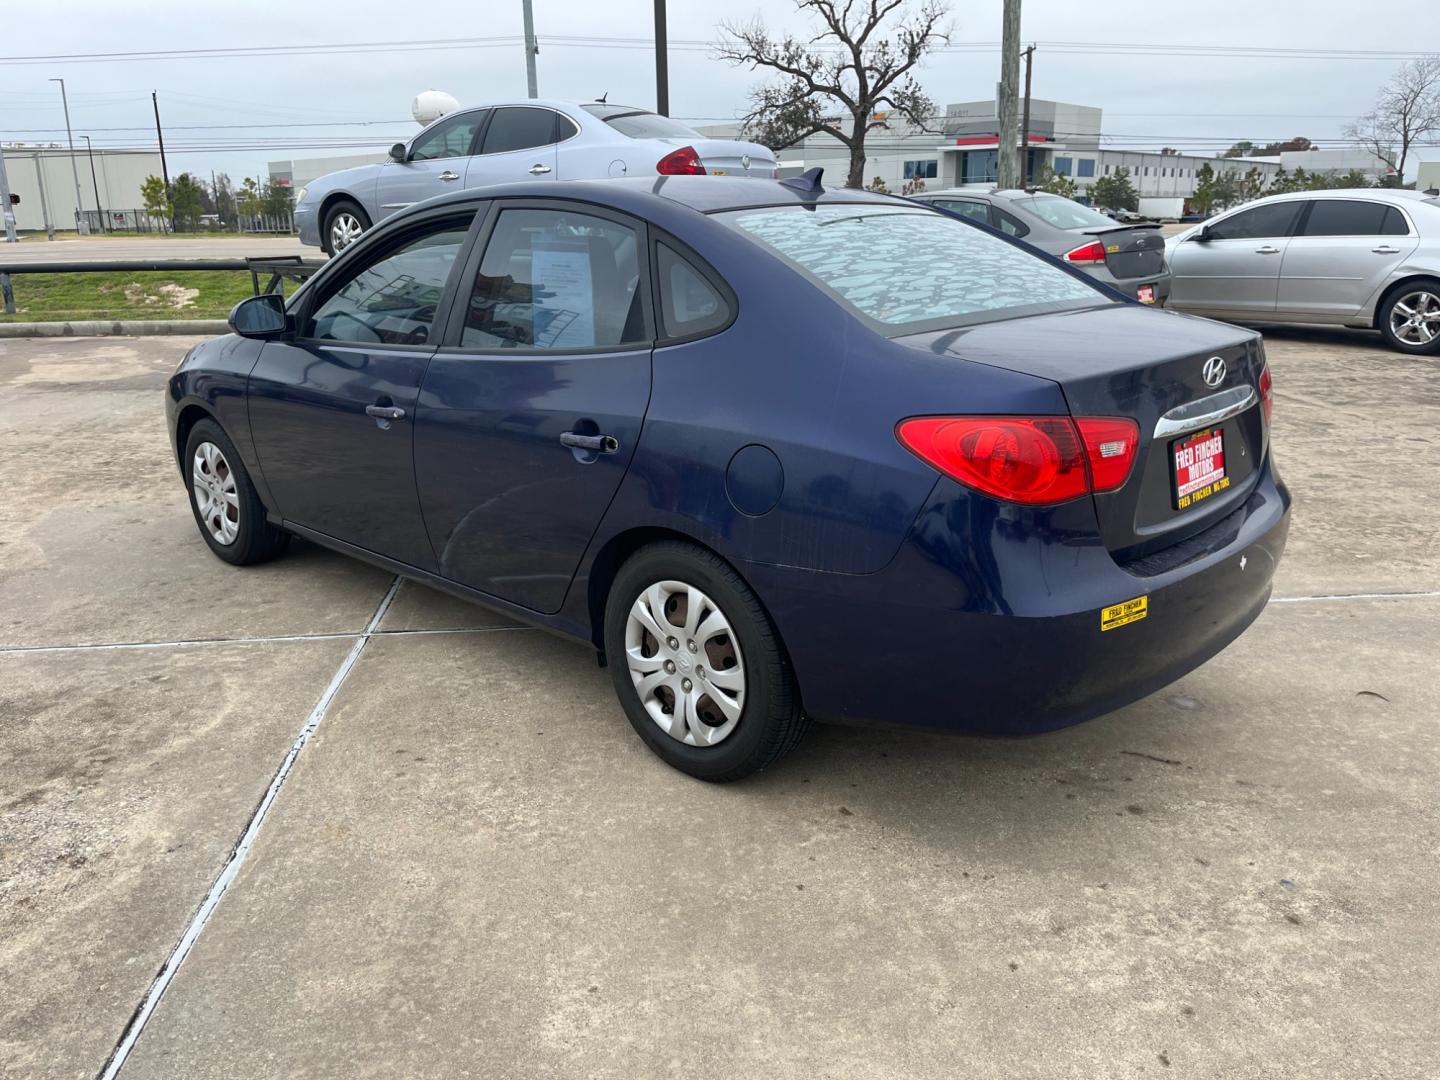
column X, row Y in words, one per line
column 476, row 869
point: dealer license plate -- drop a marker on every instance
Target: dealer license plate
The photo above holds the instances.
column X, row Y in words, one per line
column 1145, row 294
column 1197, row 463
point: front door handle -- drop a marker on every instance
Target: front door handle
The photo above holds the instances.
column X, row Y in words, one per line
column 447, row 176
column 600, row 444
column 1385, row 249
column 385, row 412
column 1267, row 250
column 539, row 170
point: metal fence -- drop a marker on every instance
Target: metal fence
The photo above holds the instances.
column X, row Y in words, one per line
column 142, row 221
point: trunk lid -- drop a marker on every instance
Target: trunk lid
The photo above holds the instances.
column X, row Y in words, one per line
column 1131, row 251
column 732, row 157
column 1148, row 366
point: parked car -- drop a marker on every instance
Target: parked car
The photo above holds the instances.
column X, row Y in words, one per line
column 1130, row 259
column 1366, row 258
column 508, row 141
column 776, row 452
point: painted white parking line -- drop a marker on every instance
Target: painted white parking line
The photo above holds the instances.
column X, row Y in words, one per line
column 189, row 643
column 1355, row 596
column 242, row 849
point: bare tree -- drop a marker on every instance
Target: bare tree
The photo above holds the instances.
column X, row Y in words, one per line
column 1406, row 114
column 854, row 65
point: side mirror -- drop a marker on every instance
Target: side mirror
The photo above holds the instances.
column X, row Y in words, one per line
column 397, row 153
column 1203, row 234
column 260, row 316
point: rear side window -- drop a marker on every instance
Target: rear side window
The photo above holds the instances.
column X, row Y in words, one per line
column 1010, row 226
column 907, row 270
column 1257, row 223
column 519, row 128
column 1353, row 217
column 975, row 211
column 552, row 279
column 689, row 303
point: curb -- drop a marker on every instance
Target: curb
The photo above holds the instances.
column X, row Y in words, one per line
column 113, row 327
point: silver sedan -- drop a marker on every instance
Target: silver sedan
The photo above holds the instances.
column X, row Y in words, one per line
column 1365, row 257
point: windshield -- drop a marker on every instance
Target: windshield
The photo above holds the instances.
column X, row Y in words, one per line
column 912, row 269
column 639, row 124
column 1063, row 213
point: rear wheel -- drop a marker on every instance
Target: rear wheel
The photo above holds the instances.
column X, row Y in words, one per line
column 1409, row 318
column 697, row 664
column 227, row 510
column 343, row 225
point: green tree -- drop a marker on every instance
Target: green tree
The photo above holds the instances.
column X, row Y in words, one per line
column 222, row 195
column 1205, row 199
column 277, row 200
column 155, row 197
column 1299, row 179
column 248, row 199
column 1243, row 148
column 1051, row 181
column 853, row 64
column 1281, row 182
column 187, row 201
column 1227, row 188
column 1353, row 179
column 1115, row 192
column 1252, row 184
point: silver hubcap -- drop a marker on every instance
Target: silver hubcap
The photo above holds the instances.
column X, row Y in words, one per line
column 685, row 663
column 345, row 229
column 215, row 497
column 1415, row 319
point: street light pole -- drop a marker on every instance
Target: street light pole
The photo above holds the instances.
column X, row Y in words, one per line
column 80, row 223
column 531, row 48
column 662, row 61
column 99, row 210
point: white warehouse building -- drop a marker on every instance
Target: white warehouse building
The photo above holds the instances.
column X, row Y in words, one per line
column 1065, row 137
column 42, row 177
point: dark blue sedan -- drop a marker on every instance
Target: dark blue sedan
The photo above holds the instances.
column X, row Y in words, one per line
column 776, row 452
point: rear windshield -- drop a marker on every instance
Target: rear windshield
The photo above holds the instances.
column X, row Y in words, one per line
column 908, row 269
column 1063, row 213
column 639, row 124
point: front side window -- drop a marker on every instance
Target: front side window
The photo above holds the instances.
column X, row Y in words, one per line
column 907, row 270
column 689, row 304
column 449, row 138
column 553, row 279
column 1063, row 213
column 1350, row 217
column 520, row 128
column 1257, row 223
column 392, row 301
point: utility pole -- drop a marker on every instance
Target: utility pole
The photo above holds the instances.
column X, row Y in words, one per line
column 1025, row 176
column 531, row 48
column 160, row 137
column 99, row 209
column 6, row 210
column 1009, row 95
column 44, row 202
column 662, row 61
column 80, row 224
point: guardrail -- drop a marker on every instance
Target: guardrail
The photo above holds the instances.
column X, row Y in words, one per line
column 280, row 268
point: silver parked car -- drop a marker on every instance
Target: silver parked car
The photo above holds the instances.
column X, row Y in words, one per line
column 1365, row 257
column 511, row 141
column 1130, row 258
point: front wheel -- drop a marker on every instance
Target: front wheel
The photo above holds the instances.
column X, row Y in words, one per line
column 344, row 223
column 227, row 509
column 698, row 666
column 1410, row 318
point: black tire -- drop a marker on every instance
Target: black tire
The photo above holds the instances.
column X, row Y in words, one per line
column 255, row 539
column 1386, row 312
column 770, row 721
column 332, row 215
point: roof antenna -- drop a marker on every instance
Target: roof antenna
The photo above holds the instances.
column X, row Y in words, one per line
column 808, row 181
column 601, row 99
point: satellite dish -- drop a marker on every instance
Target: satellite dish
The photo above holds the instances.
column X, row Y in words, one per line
column 430, row 105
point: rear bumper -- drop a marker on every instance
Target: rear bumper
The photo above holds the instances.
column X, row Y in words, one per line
column 989, row 619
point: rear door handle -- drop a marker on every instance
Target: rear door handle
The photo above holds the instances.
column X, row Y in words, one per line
column 539, row 170
column 385, row 412
column 1385, row 249
column 600, row 444
column 1267, row 250
column 447, row 176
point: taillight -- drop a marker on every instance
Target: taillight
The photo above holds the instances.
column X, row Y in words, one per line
column 1035, row 460
column 1267, row 399
column 1093, row 252
column 1110, row 446
column 682, row 162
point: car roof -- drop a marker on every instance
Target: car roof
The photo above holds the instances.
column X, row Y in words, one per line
column 707, row 194
column 1389, row 195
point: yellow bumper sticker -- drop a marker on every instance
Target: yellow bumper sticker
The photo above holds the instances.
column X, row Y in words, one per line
column 1124, row 613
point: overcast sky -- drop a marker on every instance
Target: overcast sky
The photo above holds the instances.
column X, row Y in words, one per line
column 1191, row 102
